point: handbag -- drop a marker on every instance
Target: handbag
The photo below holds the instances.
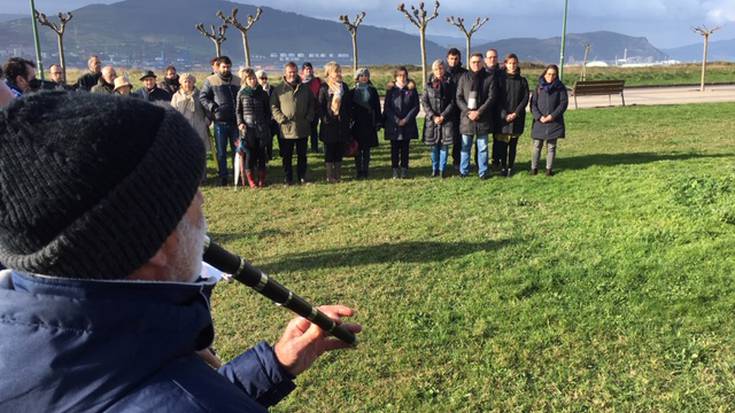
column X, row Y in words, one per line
column 351, row 149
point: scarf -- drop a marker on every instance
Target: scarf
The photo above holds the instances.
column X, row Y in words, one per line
column 548, row 87
column 513, row 75
column 225, row 78
column 248, row 91
column 362, row 95
column 189, row 99
column 336, row 90
column 436, row 82
column 296, row 82
column 173, row 82
column 477, row 78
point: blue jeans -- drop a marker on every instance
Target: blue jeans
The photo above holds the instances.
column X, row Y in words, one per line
column 224, row 134
column 439, row 157
column 464, row 165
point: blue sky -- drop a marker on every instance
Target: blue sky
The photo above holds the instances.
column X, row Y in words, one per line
column 666, row 23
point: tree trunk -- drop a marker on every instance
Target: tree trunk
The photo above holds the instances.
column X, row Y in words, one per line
column 423, row 55
column 62, row 59
column 704, row 62
column 469, row 49
column 354, row 53
column 246, row 46
column 218, row 48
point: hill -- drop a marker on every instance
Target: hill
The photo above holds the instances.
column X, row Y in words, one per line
column 720, row 50
column 4, row 17
column 149, row 31
column 606, row 46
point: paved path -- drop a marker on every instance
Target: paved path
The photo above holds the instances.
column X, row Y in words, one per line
column 660, row 96
column 657, row 96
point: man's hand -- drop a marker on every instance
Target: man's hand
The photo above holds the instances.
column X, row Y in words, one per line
column 438, row 120
column 303, row 342
column 402, row 122
column 511, row 117
column 242, row 127
column 473, row 115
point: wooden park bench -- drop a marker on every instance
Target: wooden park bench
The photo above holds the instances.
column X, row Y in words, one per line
column 598, row 87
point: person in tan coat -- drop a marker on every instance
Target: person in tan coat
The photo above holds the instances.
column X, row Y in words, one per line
column 186, row 101
column 293, row 107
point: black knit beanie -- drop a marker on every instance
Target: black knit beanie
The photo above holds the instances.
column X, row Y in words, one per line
column 91, row 185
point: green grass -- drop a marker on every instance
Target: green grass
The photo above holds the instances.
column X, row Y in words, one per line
column 608, row 287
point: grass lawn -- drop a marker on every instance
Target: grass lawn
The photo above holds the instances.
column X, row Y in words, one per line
column 608, row 287
column 681, row 74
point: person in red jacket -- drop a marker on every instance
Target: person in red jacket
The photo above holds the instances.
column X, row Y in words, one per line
column 314, row 83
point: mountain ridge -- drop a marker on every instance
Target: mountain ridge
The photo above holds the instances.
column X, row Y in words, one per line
column 157, row 32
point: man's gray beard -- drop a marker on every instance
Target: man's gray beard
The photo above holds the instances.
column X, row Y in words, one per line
column 188, row 260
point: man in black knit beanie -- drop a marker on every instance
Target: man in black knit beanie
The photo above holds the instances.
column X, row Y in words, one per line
column 101, row 225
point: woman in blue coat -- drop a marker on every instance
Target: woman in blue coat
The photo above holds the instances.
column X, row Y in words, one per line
column 401, row 109
column 548, row 104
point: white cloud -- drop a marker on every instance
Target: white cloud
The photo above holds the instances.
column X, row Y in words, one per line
column 720, row 11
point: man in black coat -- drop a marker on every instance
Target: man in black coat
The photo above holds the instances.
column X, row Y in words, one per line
column 493, row 67
column 56, row 79
column 476, row 95
column 219, row 97
column 89, row 80
column 150, row 91
column 455, row 72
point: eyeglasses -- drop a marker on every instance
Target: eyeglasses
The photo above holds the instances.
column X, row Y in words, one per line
column 263, row 78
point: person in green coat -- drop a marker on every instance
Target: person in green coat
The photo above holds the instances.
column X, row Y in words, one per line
column 293, row 107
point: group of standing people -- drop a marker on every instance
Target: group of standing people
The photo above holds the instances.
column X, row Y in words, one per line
column 483, row 107
column 489, row 101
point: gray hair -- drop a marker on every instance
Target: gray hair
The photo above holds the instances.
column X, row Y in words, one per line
column 438, row 62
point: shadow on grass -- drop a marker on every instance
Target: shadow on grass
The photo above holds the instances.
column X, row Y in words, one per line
column 401, row 252
column 614, row 159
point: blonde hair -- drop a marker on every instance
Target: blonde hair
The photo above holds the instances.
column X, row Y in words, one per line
column 245, row 73
column 187, row 75
column 330, row 68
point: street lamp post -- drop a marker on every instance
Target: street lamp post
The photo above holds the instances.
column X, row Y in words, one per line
column 563, row 41
column 36, row 41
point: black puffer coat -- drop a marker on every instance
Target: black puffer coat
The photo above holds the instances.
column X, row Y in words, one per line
column 219, row 97
column 499, row 75
column 554, row 102
column 439, row 102
column 487, row 97
column 255, row 112
column 401, row 103
column 366, row 120
column 515, row 100
column 335, row 127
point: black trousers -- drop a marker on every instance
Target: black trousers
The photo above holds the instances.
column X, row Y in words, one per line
column 255, row 158
column 334, row 152
column 315, row 135
column 362, row 160
column 506, row 152
column 287, row 155
column 399, row 153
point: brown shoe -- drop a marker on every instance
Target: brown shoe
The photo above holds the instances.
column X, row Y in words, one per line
column 549, row 172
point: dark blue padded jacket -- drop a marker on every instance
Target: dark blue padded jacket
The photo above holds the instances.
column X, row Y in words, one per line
column 78, row 345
